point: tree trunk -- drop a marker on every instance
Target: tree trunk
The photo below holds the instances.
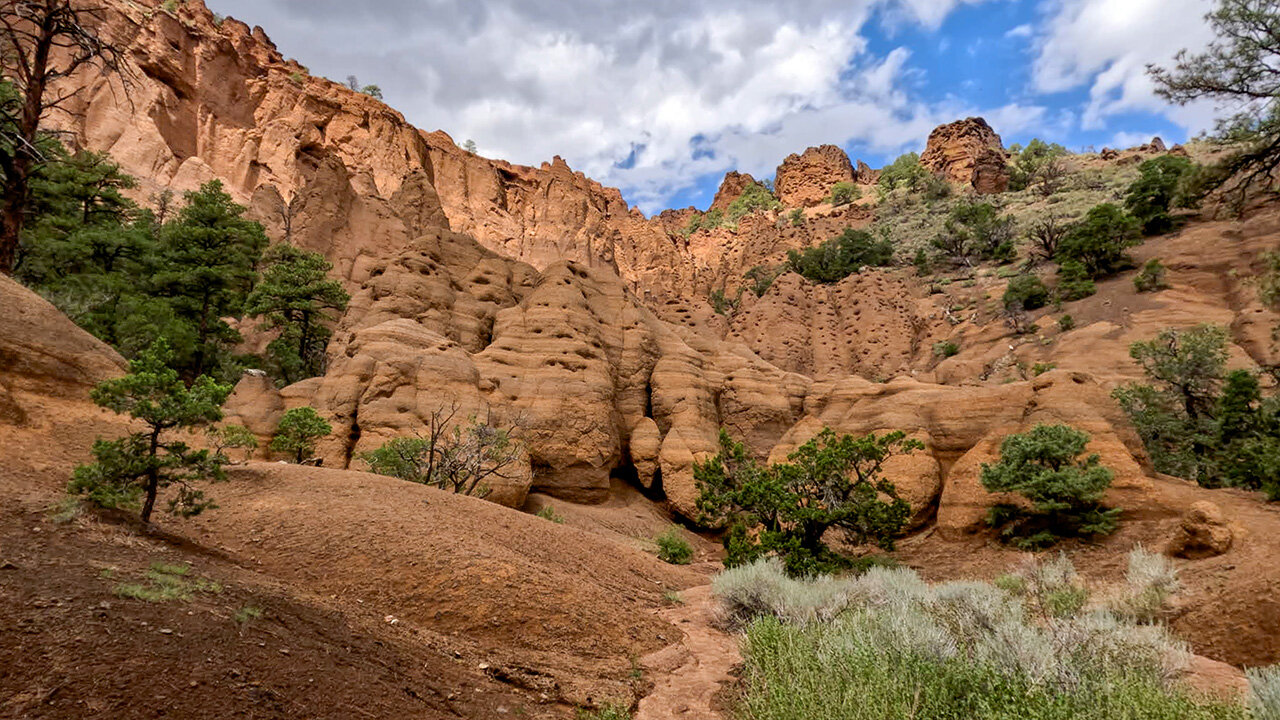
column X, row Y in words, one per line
column 18, row 179
column 153, row 479
column 11, row 219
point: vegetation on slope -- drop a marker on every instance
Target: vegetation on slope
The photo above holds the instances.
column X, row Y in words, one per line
column 886, row 644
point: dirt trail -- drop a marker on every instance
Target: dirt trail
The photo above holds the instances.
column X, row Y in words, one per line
column 688, row 674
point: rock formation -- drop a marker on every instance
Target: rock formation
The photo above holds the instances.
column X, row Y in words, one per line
column 968, row 152
column 730, row 188
column 537, row 298
column 804, row 180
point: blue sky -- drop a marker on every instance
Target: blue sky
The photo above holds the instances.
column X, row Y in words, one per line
column 662, row 98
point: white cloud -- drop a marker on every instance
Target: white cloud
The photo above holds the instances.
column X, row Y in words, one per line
column 1106, row 45
column 1022, row 31
column 676, row 89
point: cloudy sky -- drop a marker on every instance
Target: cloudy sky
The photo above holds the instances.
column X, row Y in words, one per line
column 661, row 97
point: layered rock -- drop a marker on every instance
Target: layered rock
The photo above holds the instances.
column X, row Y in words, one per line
column 968, row 152
column 804, row 180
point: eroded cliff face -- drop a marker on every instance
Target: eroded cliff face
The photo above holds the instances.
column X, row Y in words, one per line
column 537, row 297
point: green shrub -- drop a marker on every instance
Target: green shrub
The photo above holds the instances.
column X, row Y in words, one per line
column 1264, row 692
column 1099, row 241
column 1065, row 492
column 922, row 262
column 1073, row 282
column 608, row 711
column 840, row 257
column 709, row 220
column 977, row 231
column 797, row 217
column 843, row 193
column 1154, row 192
column 945, row 349
column 830, row 483
column 459, row 457
column 1041, row 368
column 549, row 513
column 296, row 77
column 232, row 437
column 760, row 279
column 1066, row 322
column 906, row 172
column 247, row 613
column 1151, row 580
column 298, row 431
column 888, row 645
column 673, row 548
column 1151, row 277
column 1026, row 292
column 722, row 304
column 754, row 197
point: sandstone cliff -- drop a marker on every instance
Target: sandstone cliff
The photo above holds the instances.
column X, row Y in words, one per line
column 538, row 296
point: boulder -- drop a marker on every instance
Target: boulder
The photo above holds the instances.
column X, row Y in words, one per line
column 1201, row 533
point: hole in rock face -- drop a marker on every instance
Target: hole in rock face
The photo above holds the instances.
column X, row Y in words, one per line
column 626, row 472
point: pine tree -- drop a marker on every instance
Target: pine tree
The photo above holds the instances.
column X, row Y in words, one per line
column 1065, row 491
column 832, row 482
column 1236, row 70
column 137, row 466
column 209, row 253
column 298, row 431
column 292, row 298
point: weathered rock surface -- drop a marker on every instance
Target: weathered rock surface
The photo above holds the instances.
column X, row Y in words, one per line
column 1203, row 532
column 730, row 188
column 43, row 353
column 537, row 297
column 968, row 152
column 804, row 180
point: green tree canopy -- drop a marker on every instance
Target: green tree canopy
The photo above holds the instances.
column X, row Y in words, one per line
column 1029, row 163
column 1237, row 70
column 1155, row 191
column 294, row 298
column 209, row 253
column 841, row 256
column 977, row 231
column 1026, row 292
column 843, row 193
column 139, row 465
column 1175, row 416
column 1065, row 490
column 298, row 431
column 754, row 197
column 906, row 173
column 1099, row 241
column 832, row 482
